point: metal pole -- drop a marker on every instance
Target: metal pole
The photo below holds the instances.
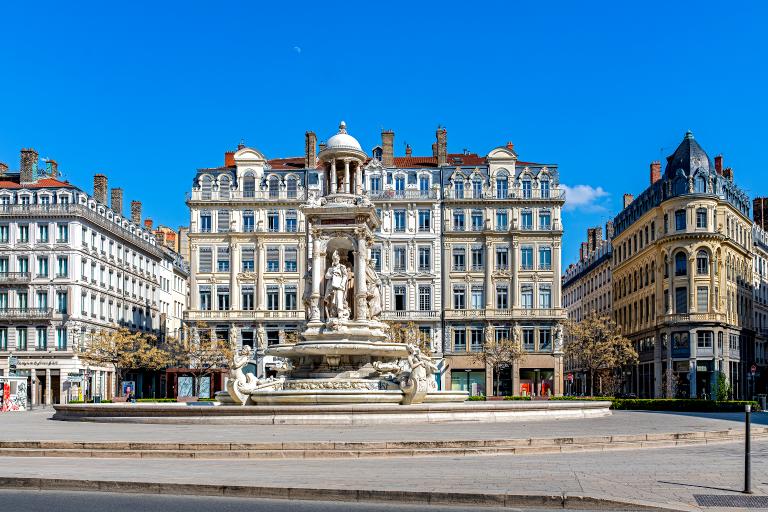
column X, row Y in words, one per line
column 747, row 450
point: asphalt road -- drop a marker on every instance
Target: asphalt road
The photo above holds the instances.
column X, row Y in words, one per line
column 63, row 501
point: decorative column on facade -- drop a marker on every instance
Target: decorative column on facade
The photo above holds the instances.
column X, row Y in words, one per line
column 332, row 176
column 691, row 284
column 556, row 282
column 447, row 276
column 317, row 276
column 713, row 306
column 47, row 399
column 358, row 179
column 234, row 265
column 194, row 296
column 361, row 286
column 488, row 281
column 515, row 277
column 347, row 188
column 259, row 273
column 301, row 266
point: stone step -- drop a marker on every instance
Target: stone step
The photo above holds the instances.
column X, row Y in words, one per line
column 302, row 450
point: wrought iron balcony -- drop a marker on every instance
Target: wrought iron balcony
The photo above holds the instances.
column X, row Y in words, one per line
column 385, row 195
column 15, row 277
column 411, row 314
column 26, row 313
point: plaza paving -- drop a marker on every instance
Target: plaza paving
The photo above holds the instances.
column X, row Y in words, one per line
column 662, row 476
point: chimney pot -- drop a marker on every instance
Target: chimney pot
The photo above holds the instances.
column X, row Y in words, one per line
column 117, row 200
column 148, row 223
column 408, row 150
column 728, row 173
column 322, row 146
column 3, row 168
column 100, row 188
column 136, row 212
column 310, row 150
column 442, row 146
column 28, row 165
column 628, row 198
column 229, row 159
column 434, row 150
column 510, row 146
column 655, row 172
column 388, row 148
column 719, row 164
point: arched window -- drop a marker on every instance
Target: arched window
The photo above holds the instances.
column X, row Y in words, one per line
column 378, row 153
column 274, row 187
column 291, row 186
column 700, row 184
column 205, row 187
column 702, row 262
column 544, row 187
column 681, row 264
column 527, row 188
column 502, row 185
column 224, row 187
column 399, row 183
column 477, row 187
column 249, row 186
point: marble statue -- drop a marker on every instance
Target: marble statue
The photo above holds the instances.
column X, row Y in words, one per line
column 306, row 298
column 337, row 278
column 419, row 380
column 374, row 292
column 261, row 338
column 558, row 338
column 488, row 336
column 240, row 384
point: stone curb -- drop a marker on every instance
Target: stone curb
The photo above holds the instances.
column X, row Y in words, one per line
column 552, row 501
column 306, row 450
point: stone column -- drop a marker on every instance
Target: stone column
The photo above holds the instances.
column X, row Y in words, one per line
column 47, row 399
column 658, row 392
column 259, row 273
column 33, row 381
column 447, row 299
column 515, row 270
column 359, row 179
column 347, row 188
column 556, row 272
column 301, row 265
column 691, row 284
column 234, row 285
column 194, row 295
column 489, row 304
column 361, row 288
column 317, row 276
column 713, row 306
column 332, row 176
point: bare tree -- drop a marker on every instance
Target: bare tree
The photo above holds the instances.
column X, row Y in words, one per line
column 409, row 333
column 202, row 355
column 498, row 354
column 596, row 344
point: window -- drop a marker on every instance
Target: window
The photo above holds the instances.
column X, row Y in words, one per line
column 424, row 220
column 545, row 221
column 502, row 297
column 205, row 264
column 700, row 184
column 247, row 258
column 62, row 233
column 458, row 189
column 3, row 338
column 399, row 255
column 477, row 188
column 248, row 222
column 502, row 257
column 400, row 221
column 205, row 297
column 61, row 338
column 273, row 220
column 273, row 259
column 460, row 340
column 526, row 257
column 205, row 222
column 527, row 189
column 477, row 220
column 545, row 258
column 249, row 186
column 274, row 187
column 246, row 298
column 529, row 345
column 477, row 257
column 4, row 233
column 42, row 338
column 477, row 297
column 61, row 302
column 681, row 300
column 526, row 296
column 545, row 340
column 24, row 233
column 544, row 186
column 21, row 300
column 476, row 339
column 21, row 338
column 680, row 220
column 526, row 219
column 62, row 267
column 42, row 266
column 375, row 184
column 291, row 302
column 222, row 259
column 273, row 298
column 425, row 298
column 704, row 339
column 291, row 187
column 400, row 298
column 376, row 258
column 702, row 299
column 291, row 222
column 502, row 187
column 459, row 259
column 424, row 185
column 459, row 297
column 42, row 233
column 702, row 262
column 291, row 259
column 701, row 218
column 223, row 222
column 399, row 184
column 545, row 296
column 425, row 258
column 681, row 264
column 502, row 223
column 458, row 220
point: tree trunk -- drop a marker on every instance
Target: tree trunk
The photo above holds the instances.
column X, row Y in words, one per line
column 495, row 382
column 591, row 382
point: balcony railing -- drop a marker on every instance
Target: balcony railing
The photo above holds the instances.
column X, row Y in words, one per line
column 256, row 195
column 411, row 315
column 511, row 195
column 693, row 317
column 26, row 313
column 460, row 314
column 403, row 194
column 240, row 314
column 15, row 277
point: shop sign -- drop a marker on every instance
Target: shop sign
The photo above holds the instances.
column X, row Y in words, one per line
column 39, row 362
column 682, row 366
column 74, row 378
column 702, row 368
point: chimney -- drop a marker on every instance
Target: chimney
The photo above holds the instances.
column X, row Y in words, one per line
column 408, row 150
column 136, row 212
column 510, row 146
column 100, row 188
column 759, row 205
column 28, row 165
column 583, row 251
column 719, row 164
column 434, row 150
column 655, row 171
column 594, row 237
column 388, row 148
column 609, row 230
column 321, row 146
column 628, row 198
column 229, row 159
column 3, row 168
column 728, row 173
column 148, row 224
column 117, row 200
column 310, row 150
column 442, row 146
column 241, row 145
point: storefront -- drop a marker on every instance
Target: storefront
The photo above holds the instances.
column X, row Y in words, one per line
column 469, row 380
column 537, row 382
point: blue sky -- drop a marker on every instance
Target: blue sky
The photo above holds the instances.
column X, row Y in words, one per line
column 147, row 92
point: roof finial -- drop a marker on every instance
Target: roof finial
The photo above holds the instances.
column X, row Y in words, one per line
column 342, row 127
column 241, row 145
column 689, row 135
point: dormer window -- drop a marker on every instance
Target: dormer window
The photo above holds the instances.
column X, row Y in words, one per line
column 378, row 153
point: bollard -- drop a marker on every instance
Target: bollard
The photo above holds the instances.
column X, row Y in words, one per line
column 747, row 450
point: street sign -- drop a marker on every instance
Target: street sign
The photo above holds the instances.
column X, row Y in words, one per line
column 570, row 377
column 75, row 379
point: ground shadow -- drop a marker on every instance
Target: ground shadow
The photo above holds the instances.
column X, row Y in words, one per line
column 683, row 484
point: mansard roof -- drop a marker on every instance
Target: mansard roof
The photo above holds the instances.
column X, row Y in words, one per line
column 689, row 157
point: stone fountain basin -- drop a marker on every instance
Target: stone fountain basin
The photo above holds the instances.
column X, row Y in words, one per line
column 340, row 348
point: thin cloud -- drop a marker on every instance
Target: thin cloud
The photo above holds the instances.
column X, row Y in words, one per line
column 585, row 198
column 297, row 49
